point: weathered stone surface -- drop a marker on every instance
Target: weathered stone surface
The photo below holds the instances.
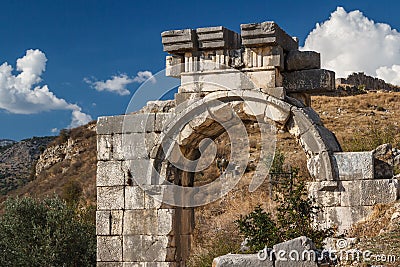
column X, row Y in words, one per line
column 214, row 81
column 297, row 252
column 324, row 197
column 140, row 222
column 104, row 147
column 109, row 248
column 277, row 110
column 277, row 92
column 263, row 79
column 383, row 161
column 368, row 192
column 109, row 222
column 241, row 260
column 145, row 248
column 110, row 264
column 134, row 145
column 345, row 217
column 179, row 41
column 321, row 167
column 266, row 34
column 109, row 173
column 140, row 171
column 132, row 123
column 150, row 264
column 302, row 60
column 304, row 98
column 162, row 119
column 354, row 165
column 218, row 38
column 110, row 198
column 264, row 57
column 309, row 81
column 302, row 120
column 174, row 66
column 134, row 197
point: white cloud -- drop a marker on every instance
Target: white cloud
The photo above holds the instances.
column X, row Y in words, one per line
column 118, row 83
column 54, row 130
column 21, row 94
column 79, row 118
column 350, row 42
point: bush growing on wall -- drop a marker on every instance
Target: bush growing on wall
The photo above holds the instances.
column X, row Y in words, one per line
column 45, row 233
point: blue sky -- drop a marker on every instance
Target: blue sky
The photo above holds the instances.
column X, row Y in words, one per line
column 89, row 41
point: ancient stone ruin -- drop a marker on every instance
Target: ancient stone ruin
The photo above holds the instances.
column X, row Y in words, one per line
column 145, row 197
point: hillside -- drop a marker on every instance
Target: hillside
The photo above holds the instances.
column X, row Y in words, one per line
column 69, row 160
column 17, row 161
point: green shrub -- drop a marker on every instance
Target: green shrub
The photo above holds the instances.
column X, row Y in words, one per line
column 295, row 216
column 45, row 233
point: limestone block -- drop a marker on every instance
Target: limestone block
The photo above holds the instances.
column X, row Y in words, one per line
column 138, row 123
column 110, row 198
column 264, row 57
column 254, row 109
column 309, row 81
column 141, row 222
column 277, row 92
column 304, row 98
column 217, row 38
column 109, row 248
column 179, row 41
column 104, row 147
column 354, row 165
column 302, row 60
column 134, row 145
column 165, row 221
column 277, row 110
column 240, row 260
column 162, row 119
column 302, row 120
column 218, row 80
column 109, row 125
column 145, row 248
column 298, row 252
column 134, row 197
column 174, row 66
column 109, row 264
column 109, row 222
column 266, row 34
column 185, row 98
column 263, row 79
column 369, row 192
column 322, row 197
column 321, row 167
column 109, row 173
column 140, row 171
column 345, row 217
column 153, row 196
column 150, row 264
column 328, row 137
column 132, row 123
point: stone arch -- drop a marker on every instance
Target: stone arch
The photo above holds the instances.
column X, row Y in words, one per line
column 302, row 122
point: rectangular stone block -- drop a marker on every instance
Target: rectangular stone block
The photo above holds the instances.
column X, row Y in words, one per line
column 104, row 147
column 141, row 222
column 309, row 81
column 131, row 123
column 297, row 252
column 174, row 66
column 133, row 146
column 179, row 41
column 109, row 248
column 145, row 248
column 141, row 171
column 345, row 217
column 323, row 197
column 150, row 264
column 109, row 264
column 239, row 260
column 109, row 222
column 218, row 38
column 162, row 119
column 264, row 57
column 321, row 167
column 218, row 80
column 165, row 223
column 302, row 60
column 134, row 197
column 266, row 34
column 354, row 165
column 263, row 79
column 277, row 92
column 110, row 198
column 109, row 173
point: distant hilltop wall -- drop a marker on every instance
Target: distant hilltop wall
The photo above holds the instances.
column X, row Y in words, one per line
column 367, row 82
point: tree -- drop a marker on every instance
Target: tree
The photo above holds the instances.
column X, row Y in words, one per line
column 45, row 233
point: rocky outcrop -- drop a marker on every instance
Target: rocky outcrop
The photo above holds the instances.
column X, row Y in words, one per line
column 18, row 160
column 362, row 82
